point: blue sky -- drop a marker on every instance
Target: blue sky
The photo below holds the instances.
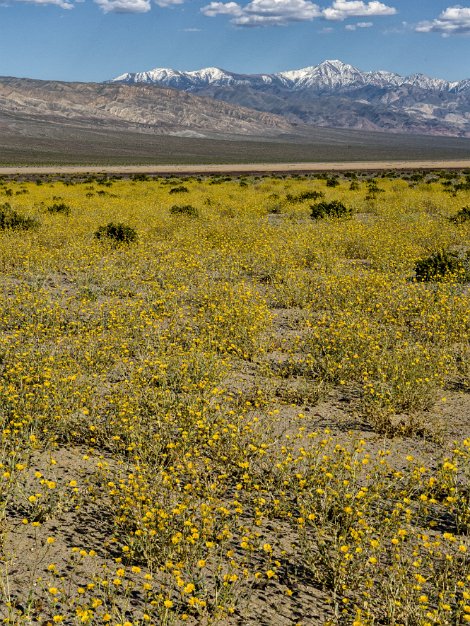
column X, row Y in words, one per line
column 94, row 40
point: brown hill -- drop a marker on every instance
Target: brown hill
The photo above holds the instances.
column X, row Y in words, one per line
column 149, row 109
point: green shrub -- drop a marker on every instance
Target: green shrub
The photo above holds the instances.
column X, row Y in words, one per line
column 332, row 182
column 59, row 207
column 118, row 233
column 463, row 185
column 443, row 265
column 373, row 189
column 185, row 209
column 10, row 219
column 305, row 195
column 462, row 216
column 181, row 189
column 329, row 209
column 275, row 209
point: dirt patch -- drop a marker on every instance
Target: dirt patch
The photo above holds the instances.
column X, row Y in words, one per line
column 243, row 168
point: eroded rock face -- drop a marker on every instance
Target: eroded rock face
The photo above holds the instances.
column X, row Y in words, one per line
column 153, row 109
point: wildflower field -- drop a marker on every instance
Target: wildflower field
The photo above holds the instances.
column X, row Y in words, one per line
column 235, row 400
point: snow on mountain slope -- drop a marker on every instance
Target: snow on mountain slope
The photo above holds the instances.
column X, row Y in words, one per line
column 328, row 74
column 331, row 74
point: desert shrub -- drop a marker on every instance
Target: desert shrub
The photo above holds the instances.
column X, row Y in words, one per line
column 373, row 189
column 442, row 265
column 181, row 189
column 332, row 182
column 185, row 209
column 10, row 219
column 305, row 195
column 372, row 186
column 118, row 233
column 59, row 207
column 329, row 209
column 354, row 186
column 463, row 185
column 220, row 179
column 461, row 216
column 275, row 209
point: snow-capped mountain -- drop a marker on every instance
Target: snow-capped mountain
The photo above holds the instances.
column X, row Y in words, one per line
column 333, row 94
column 180, row 80
column 331, row 74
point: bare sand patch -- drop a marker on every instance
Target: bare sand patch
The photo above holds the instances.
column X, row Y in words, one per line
column 242, row 168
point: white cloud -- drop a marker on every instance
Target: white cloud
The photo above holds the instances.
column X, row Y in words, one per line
column 404, row 27
column 168, row 3
column 124, row 6
column 63, row 4
column 111, row 6
column 358, row 25
column 222, row 8
column 342, row 9
column 452, row 21
column 282, row 12
column 265, row 12
column 289, row 9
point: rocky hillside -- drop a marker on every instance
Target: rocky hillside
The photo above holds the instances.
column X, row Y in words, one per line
column 145, row 108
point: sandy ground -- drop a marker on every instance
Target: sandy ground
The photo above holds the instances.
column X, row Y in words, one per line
column 237, row 169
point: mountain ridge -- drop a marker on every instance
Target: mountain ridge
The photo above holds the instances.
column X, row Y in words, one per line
column 329, row 73
column 332, row 94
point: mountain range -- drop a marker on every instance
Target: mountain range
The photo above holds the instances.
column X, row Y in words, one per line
column 325, row 76
column 332, row 94
column 61, row 122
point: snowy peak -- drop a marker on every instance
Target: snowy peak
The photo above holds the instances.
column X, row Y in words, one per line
column 425, row 82
column 329, row 75
column 211, row 75
column 334, row 74
column 382, row 78
column 180, row 80
column 160, row 75
column 462, row 86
